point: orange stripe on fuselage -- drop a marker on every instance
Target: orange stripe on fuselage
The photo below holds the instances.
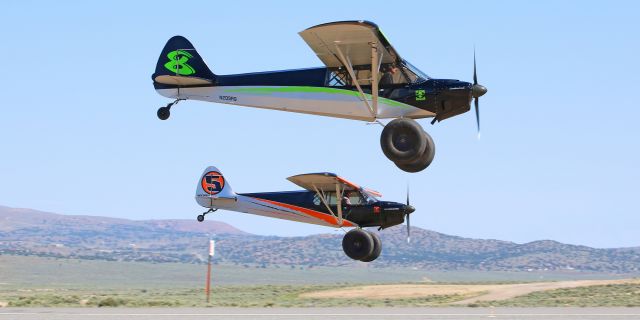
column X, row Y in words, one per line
column 315, row 214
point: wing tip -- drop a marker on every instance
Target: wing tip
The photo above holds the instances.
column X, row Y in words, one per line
column 345, row 22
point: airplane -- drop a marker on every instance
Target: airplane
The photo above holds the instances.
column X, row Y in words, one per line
column 328, row 200
column 364, row 78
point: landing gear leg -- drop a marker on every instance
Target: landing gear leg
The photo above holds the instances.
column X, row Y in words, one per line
column 165, row 112
column 201, row 216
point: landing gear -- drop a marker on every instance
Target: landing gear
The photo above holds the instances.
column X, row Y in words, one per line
column 201, row 216
column 424, row 160
column 377, row 248
column 361, row 245
column 165, row 112
column 405, row 143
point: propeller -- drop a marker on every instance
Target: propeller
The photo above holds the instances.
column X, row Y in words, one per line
column 408, row 209
column 477, row 91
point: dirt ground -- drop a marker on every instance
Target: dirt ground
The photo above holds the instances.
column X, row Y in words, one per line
column 476, row 293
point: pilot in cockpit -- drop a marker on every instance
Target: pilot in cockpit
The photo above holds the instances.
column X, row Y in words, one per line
column 388, row 77
column 346, row 201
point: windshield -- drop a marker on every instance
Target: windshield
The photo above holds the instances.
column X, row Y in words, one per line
column 368, row 198
column 419, row 75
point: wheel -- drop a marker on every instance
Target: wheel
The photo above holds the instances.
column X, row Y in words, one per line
column 200, row 217
column 377, row 248
column 357, row 244
column 402, row 140
column 164, row 113
column 424, row 160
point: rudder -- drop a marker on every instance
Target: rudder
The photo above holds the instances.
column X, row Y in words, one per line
column 213, row 185
column 181, row 65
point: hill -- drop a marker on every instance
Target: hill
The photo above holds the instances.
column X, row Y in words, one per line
column 31, row 232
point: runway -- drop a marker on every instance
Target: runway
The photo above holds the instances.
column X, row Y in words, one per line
column 317, row 313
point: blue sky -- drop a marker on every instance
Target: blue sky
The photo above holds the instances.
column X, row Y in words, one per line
column 558, row 158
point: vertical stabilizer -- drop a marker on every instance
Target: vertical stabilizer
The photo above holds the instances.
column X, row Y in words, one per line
column 181, row 65
column 212, row 186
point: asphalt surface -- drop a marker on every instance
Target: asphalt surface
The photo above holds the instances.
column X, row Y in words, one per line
column 317, row 313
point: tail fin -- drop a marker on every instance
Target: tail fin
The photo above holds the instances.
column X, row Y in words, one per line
column 213, row 185
column 181, row 65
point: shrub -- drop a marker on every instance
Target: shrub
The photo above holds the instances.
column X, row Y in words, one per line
column 111, row 302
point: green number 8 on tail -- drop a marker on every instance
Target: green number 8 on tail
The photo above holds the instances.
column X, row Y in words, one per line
column 178, row 62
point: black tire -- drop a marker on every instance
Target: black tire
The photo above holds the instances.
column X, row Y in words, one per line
column 423, row 161
column 402, row 140
column 164, row 113
column 377, row 248
column 357, row 244
column 200, row 218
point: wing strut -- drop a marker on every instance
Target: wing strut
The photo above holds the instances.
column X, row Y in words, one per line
column 373, row 107
column 322, row 198
column 375, row 68
column 339, row 200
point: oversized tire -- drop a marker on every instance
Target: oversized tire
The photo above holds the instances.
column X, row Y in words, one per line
column 402, row 140
column 424, row 160
column 357, row 244
column 377, row 248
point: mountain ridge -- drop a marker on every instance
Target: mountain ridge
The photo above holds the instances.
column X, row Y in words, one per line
column 32, row 232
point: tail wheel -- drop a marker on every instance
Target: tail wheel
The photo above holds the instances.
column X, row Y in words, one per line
column 424, row 160
column 377, row 248
column 164, row 113
column 358, row 244
column 402, row 140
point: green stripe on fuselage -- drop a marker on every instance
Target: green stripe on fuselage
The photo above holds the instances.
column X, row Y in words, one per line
column 267, row 90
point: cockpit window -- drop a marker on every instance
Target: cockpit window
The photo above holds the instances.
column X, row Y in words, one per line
column 390, row 74
column 337, row 78
column 401, row 74
column 355, row 197
column 368, row 198
column 418, row 76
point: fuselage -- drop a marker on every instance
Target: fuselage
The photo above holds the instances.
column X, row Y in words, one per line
column 305, row 206
column 315, row 91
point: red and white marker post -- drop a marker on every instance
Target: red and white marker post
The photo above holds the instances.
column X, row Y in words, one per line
column 212, row 249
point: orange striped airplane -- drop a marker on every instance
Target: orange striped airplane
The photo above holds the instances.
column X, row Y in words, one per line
column 328, row 200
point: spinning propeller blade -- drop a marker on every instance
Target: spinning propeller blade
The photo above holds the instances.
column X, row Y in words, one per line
column 475, row 75
column 407, row 213
column 408, row 228
column 477, row 115
column 477, row 91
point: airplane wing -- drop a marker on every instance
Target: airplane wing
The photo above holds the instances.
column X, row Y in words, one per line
column 326, row 181
column 323, row 182
column 357, row 46
column 352, row 37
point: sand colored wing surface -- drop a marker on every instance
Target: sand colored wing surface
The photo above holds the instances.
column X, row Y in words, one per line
column 354, row 38
column 326, row 182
